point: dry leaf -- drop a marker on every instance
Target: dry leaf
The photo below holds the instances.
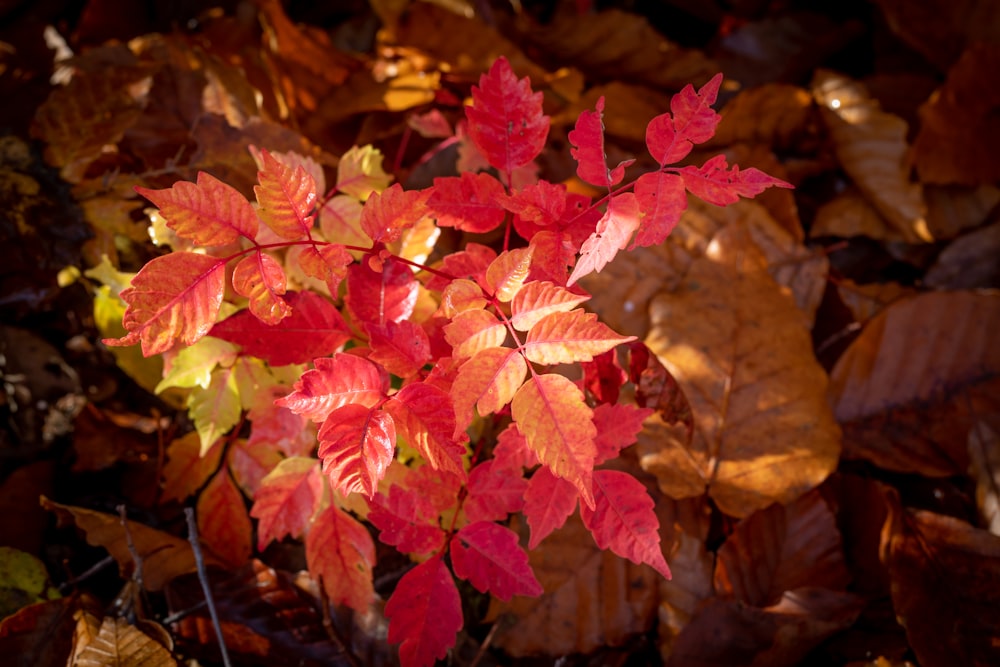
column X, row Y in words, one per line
column 39, row 634
column 909, row 387
column 951, row 209
column 741, row 352
column 778, row 115
column 984, row 468
column 945, row 587
column 867, row 301
column 119, row 644
column 969, row 261
column 959, row 135
column 628, row 109
column 163, row 555
column 592, row 598
column 850, row 214
column 941, row 29
column 872, row 149
column 603, row 46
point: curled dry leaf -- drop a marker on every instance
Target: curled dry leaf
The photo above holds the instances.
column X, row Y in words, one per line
column 945, row 575
column 959, row 133
column 984, row 460
column 163, row 555
column 871, row 147
column 909, row 388
column 593, row 598
column 969, row 261
column 741, row 352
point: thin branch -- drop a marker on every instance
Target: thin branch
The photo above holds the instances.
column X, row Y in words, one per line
column 199, row 561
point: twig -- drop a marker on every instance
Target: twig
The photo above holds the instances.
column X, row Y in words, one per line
column 199, row 561
column 485, row 645
column 86, row 574
column 137, row 559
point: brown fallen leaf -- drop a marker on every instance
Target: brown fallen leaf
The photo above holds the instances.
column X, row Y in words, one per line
column 851, row 214
column 941, row 29
column 126, row 645
column 968, row 262
column 39, row 634
column 954, row 209
column 868, row 300
column 909, row 388
column 945, row 587
column 871, row 147
column 984, row 468
column 741, row 351
column 592, row 598
column 959, row 134
column 163, row 555
column 778, row 115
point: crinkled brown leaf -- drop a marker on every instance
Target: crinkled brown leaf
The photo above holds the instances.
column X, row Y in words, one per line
column 780, row 549
column 603, row 45
column 779, row 115
column 871, row 147
column 969, row 261
column 727, row 632
column 741, row 352
column 984, row 468
column 959, row 133
column 909, row 387
column 163, row 555
column 119, row 644
column 593, row 598
column 945, row 587
column 941, row 29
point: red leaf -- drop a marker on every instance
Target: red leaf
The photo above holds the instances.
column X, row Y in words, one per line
column 603, row 377
column 438, row 487
column 663, row 199
column 314, row 329
column 671, row 137
column 469, row 263
column 494, row 492
column 468, row 202
column 506, row 122
column 380, row 297
column 186, row 469
column 425, row 614
column 209, row 213
column 425, row 417
column 587, row 138
column 336, row 381
column 623, row 520
column 327, row 262
column 613, row 232
column 223, row 523
column 356, row 446
column 260, row 278
column 618, row 426
column 176, row 296
column 387, row 215
column 558, row 426
column 472, row 331
column 488, row 556
column 286, row 499
column 277, row 427
column 402, row 348
column 548, row 502
column 287, row 198
column 512, row 451
column 507, row 273
column 488, row 381
column 538, row 299
column 553, row 253
column 536, row 206
column 340, row 552
column 408, row 521
column 564, row 338
column 251, row 463
column 717, row 184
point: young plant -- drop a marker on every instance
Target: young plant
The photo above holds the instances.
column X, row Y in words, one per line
column 410, row 377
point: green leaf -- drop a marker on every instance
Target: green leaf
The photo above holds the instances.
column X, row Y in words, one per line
column 193, row 366
column 215, row 410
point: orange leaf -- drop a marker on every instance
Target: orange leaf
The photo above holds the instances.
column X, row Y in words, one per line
column 540, row 298
column 186, row 469
column 287, row 198
column 209, row 213
column 176, row 296
column 387, row 215
column 286, row 499
column 488, row 381
column 563, row 338
column 223, row 523
column 425, row 416
column 340, row 552
column 473, row 331
column 507, row 273
column 260, row 278
column 558, row 425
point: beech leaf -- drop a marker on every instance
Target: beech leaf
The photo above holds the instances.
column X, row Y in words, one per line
column 671, row 136
column 336, row 381
column 313, row 329
column 425, row 614
column 209, row 212
column 260, row 278
column 558, row 425
column 489, row 557
column 506, row 122
column 340, row 552
column 356, row 446
column 174, row 297
column 286, row 500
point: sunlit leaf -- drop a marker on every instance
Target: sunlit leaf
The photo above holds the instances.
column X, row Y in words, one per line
column 334, row 382
column 260, row 278
column 356, row 445
column 340, row 553
column 208, row 212
column 287, row 198
column 286, row 500
column 564, row 338
column 489, row 557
